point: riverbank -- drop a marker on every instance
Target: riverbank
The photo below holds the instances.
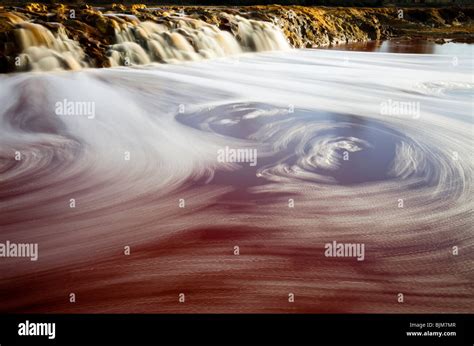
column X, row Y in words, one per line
column 85, row 34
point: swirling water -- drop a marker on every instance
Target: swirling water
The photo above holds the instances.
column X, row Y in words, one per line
column 331, row 136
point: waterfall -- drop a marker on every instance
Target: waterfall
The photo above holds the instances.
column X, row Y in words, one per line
column 181, row 39
column 43, row 50
column 259, row 36
column 165, row 39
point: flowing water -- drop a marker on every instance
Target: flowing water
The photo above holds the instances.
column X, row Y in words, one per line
column 353, row 147
column 411, row 46
column 174, row 39
column 184, row 39
column 45, row 50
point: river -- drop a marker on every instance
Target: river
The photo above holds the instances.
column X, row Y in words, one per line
column 358, row 147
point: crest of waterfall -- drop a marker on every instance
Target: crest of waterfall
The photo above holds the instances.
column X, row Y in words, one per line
column 43, row 50
column 182, row 39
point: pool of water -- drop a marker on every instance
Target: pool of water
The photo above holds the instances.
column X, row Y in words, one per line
column 409, row 46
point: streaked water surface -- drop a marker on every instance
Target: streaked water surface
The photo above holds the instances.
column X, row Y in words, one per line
column 330, row 136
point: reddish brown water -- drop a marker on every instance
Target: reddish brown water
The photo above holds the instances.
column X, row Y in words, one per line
column 415, row 46
column 242, row 102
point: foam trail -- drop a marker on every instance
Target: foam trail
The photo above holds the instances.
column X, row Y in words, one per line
column 304, row 112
